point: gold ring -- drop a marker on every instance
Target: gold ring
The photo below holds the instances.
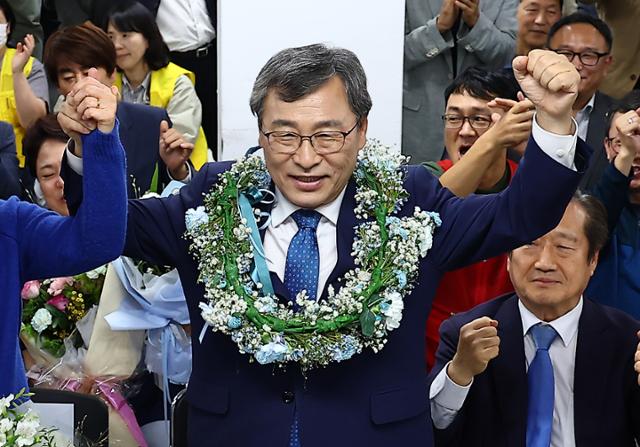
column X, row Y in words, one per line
column 630, row 120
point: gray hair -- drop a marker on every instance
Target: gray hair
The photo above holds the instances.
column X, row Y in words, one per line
column 296, row 72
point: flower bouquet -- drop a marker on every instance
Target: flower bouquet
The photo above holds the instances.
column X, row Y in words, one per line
column 58, row 312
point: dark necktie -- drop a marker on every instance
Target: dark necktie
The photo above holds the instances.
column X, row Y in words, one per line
column 541, row 388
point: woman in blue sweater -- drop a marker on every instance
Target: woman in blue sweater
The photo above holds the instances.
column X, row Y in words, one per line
column 35, row 243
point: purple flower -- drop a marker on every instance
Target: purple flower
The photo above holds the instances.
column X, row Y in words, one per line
column 60, row 302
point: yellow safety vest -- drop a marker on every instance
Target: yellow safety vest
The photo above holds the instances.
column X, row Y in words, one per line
column 162, row 84
column 8, row 110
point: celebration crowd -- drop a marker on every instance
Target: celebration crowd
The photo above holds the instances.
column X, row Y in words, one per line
column 480, row 288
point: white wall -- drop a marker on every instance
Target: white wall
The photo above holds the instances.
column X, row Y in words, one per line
column 251, row 31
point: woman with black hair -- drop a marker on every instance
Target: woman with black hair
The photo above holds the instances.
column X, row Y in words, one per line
column 146, row 76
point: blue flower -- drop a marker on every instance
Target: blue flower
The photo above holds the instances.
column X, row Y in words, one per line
column 195, row 217
column 402, row 278
column 271, row 352
column 436, row 218
column 384, row 306
column 234, row 322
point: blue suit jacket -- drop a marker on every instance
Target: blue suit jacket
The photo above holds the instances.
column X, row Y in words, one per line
column 9, row 177
column 372, row 399
column 606, row 395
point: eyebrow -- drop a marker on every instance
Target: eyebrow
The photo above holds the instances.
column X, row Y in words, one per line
column 568, row 236
column 474, row 109
column 326, row 123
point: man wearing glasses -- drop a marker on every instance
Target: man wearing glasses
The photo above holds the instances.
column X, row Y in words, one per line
column 312, row 105
column 586, row 41
column 478, row 132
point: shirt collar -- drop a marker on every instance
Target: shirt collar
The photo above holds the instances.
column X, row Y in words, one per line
column 566, row 326
column 283, row 208
column 586, row 110
column 144, row 85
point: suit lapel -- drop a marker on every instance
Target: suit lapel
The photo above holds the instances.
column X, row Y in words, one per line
column 596, row 128
column 508, row 373
column 591, row 372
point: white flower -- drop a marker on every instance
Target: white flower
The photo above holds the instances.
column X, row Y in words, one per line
column 5, row 425
column 41, row 320
column 27, row 429
column 97, row 272
column 394, row 311
column 5, row 402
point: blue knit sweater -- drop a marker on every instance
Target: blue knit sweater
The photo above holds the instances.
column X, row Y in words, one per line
column 38, row 244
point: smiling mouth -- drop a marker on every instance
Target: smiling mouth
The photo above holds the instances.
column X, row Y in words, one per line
column 307, row 179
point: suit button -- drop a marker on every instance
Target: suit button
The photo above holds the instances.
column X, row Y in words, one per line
column 288, row 396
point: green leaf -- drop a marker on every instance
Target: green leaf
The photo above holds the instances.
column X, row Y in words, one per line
column 367, row 320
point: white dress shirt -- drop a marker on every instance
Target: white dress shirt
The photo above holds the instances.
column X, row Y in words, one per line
column 447, row 397
column 582, row 118
column 185, row 25
column 282, row 228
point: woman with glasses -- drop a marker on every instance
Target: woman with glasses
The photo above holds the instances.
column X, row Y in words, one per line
column 146, row 76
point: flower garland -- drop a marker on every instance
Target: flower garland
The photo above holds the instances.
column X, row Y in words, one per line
column 386, row 251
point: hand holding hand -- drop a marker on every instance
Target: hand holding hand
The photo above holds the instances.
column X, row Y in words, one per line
column 95, row 101
column 174, row 151
column 514, row 127
column 550, row 81
column 447, row 16
column 24, row 50
column 470, row 11
column 478, row 344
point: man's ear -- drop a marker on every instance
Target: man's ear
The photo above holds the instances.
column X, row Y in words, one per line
column 594, row 261
column 362, row 132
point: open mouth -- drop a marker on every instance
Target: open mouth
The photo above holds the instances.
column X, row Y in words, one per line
column 464, row 149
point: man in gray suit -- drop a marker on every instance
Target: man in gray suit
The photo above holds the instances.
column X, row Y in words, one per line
column 442, row 39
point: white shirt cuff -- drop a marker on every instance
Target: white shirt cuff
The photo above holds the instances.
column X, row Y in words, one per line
column 187, row 179
column 562, row 148
column 75, row 162
column 446, row 398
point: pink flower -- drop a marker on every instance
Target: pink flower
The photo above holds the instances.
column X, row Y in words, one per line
column 58, row 284
column 30, row 290
column 60, row 302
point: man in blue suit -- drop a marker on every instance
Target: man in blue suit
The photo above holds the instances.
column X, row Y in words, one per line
column 9, row 177
column 544, row 366
column 372, row 399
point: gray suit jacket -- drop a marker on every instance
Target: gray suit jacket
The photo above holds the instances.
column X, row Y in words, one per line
column 428, row 68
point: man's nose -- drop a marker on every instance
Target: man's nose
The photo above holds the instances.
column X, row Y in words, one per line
column 546, row 259
column 467, row 128
column 306, row 156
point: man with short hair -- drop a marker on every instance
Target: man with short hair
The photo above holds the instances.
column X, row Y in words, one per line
column 586, row 41
column 544, row 366
column 68, row 55
column 311, row 105
column 535, row 17
column 477, row 134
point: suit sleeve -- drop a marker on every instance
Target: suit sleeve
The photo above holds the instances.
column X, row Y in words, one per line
column 611, row 189
column 492, row 41
column 155, row 227
column 424, row 43
column 9, row 178
column 482, row 226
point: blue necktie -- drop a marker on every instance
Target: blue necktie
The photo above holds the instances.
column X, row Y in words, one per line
column 303, row 260
column 301, row 273
column 541, row 388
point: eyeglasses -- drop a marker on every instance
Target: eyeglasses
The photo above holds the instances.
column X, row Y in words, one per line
column 477, row 122
column 323, row 142
column 588, row 58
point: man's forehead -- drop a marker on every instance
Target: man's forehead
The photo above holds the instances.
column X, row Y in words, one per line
column 579, row 36
column 540, row 3
column 464, row 101
column 71, row 67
